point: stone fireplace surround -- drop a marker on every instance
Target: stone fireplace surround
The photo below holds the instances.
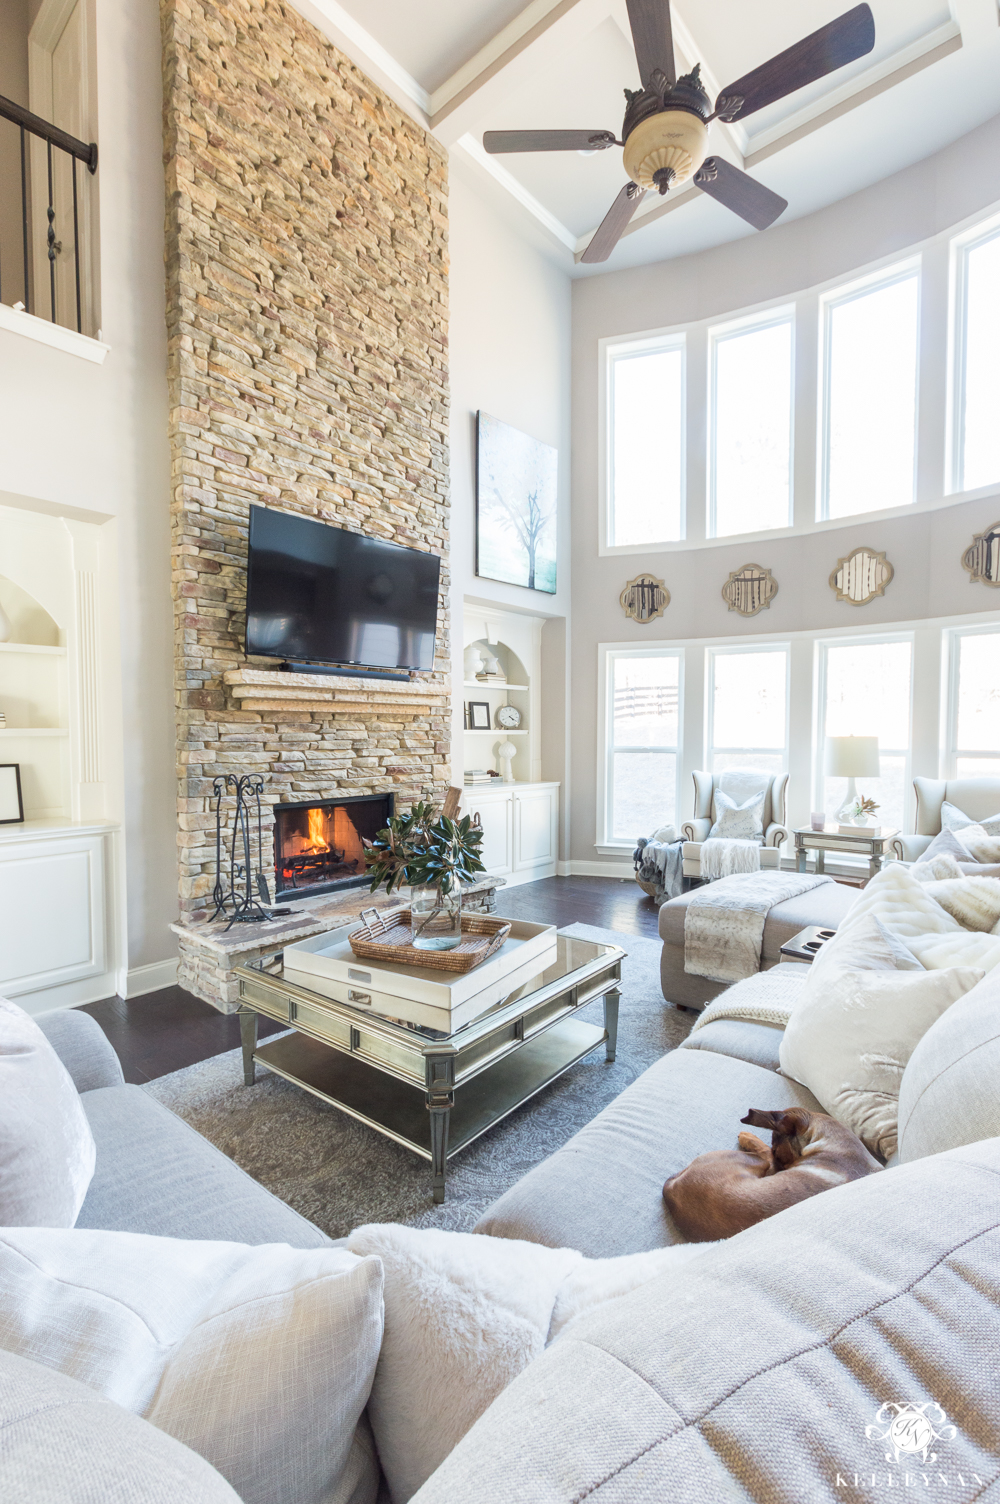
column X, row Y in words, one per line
column 307, row 291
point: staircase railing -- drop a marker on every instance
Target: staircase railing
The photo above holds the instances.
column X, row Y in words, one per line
column 78, row 151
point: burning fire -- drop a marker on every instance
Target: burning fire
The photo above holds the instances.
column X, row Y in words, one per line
column 317, row 831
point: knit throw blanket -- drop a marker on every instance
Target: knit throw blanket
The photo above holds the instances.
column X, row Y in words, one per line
column 724, row 922
column 768, row 997
column 720, row 857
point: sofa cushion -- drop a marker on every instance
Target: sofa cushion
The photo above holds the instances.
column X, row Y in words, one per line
column 826, row 905
column 62, row 1443
column 949, row 1094
column 260, row 1359
column 602, row 1191
column 156, row 1175
column 46, row 1147
column 83, row 1047
column 758, row 1372
column 754, row 1042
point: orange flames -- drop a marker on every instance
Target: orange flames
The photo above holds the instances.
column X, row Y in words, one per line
column 317, row 831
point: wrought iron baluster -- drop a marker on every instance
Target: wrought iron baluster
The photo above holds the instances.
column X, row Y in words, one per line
column 24, row 218
column 76, row 251
column 51, row 236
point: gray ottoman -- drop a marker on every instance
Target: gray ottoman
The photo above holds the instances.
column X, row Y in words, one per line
column 826, row 905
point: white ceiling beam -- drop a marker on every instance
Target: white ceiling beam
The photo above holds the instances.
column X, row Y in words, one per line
column 514, row 57
column 977, row 19
column 473, row 148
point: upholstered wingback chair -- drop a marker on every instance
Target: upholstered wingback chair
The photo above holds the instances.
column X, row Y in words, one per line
column 695, row 830
column 979, row 798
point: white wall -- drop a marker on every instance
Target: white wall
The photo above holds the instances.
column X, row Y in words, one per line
column 89, row 441
column 510, row 331
column 924, row 546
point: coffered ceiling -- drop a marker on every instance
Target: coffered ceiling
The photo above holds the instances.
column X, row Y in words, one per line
column 467, row 66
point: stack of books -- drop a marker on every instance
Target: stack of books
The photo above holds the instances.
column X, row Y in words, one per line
column 477, row 776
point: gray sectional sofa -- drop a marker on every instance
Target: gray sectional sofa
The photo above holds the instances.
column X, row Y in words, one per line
column 755, row 1373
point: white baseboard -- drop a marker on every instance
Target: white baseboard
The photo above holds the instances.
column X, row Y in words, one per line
column 596, row 869
column 143, row 979
column 67, row 995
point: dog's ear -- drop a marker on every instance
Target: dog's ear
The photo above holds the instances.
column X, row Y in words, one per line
column 788, row 1122
column 758, row 1119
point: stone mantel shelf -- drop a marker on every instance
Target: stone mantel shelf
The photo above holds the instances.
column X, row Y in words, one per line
column 271, row 690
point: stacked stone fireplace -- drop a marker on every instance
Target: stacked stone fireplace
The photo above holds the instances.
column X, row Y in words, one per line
column 307, row 358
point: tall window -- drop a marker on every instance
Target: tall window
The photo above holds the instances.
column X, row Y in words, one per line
column 751, row 429
column 748, row 708
column 642, row 738
column 978, row 383
column 975, row 704
column 645, row 443
column 866, row 692
column 870, row 398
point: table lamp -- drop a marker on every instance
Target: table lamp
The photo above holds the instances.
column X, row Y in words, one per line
column 851, row 757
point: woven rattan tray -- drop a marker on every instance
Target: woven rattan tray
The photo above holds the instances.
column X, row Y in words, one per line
column 388, row 937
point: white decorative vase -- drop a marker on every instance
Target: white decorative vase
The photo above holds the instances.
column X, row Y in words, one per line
column 506, row 752
column 5, row 625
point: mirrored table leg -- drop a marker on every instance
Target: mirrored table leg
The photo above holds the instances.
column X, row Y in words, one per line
column 248, row 1039
column 611, row 1001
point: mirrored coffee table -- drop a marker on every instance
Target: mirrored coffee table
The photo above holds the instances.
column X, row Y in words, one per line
column 433, row 1093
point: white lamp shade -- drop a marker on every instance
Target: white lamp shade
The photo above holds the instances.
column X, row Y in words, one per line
column 852, row 757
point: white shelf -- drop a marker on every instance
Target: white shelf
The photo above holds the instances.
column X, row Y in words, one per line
column 31, row 647
column 497, row 731
column 21, row 731
column 478, row 684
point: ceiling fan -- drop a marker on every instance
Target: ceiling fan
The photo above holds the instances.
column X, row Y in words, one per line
column 665, row 131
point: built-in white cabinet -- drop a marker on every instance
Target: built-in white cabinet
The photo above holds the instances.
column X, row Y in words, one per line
column 520, row 828
column 56, row 922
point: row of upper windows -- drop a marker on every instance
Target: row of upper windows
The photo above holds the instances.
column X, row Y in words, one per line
column 867, row 419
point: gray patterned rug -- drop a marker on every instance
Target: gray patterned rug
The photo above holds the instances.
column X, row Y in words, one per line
column 340, row 1174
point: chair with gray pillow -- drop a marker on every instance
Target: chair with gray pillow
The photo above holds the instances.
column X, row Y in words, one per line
column 979, row 798
column 737, row 783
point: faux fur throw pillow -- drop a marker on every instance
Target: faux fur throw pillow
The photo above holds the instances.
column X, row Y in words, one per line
column 982, row 847
column 737, row 822
column 865, row 946
column 936, row 869
column 952, row 818
column 464, row 1314
column 973, row 901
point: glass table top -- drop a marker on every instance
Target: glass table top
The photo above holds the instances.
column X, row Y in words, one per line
column 572, row 955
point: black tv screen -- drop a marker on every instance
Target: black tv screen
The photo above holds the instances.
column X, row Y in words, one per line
column 323, row 595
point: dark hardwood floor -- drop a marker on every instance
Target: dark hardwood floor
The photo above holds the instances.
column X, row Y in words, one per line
column 167, row 1030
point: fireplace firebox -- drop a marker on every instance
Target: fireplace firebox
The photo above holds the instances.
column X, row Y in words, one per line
column 318, row 844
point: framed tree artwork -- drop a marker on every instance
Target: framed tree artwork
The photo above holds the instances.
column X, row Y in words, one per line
column 516, row 492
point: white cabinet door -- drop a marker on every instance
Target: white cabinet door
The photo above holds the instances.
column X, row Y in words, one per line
column 53, row 906
column 495, row 818
column 535, row 828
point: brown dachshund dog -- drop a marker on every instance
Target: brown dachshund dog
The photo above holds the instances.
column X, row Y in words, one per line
column 726, row 1190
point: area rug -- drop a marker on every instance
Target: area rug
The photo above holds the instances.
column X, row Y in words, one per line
column 340, row 1174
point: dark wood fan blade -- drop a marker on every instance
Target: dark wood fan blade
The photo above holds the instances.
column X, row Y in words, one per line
column 739, row 192
column 834, row 45
column 499, row 141
column 653, row 38
column 608, row 232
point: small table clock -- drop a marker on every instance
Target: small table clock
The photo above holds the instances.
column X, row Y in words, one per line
column 508, row 717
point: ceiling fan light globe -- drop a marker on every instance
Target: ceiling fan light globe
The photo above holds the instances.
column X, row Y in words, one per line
column 674, row 139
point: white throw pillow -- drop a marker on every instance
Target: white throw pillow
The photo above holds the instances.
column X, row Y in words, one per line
column 47, row 1151
column 865, row 946
column 952, row 818
column 851, row 1034
column 947, row 843
column 259, row 1359
column 957, row 948
column 464, row 1314
column 901, row 902
column 981, row 846
column 973, row 901
column 737, row 822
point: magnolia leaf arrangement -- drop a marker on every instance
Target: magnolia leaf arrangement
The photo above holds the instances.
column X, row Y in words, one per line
column 425, row 847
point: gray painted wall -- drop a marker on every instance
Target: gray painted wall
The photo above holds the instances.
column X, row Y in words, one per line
column 924, row 545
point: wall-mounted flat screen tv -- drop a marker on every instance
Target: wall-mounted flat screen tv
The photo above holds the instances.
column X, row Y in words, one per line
column 320, row 594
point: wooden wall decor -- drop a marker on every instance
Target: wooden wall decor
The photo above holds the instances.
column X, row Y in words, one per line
column 750, row 589
column 982, row 557
column 644, row 598
column 860, row 576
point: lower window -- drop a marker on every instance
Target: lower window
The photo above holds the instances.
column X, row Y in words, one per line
column 643, row 720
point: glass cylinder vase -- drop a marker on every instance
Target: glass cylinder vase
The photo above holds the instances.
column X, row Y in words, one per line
column 436, row 917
